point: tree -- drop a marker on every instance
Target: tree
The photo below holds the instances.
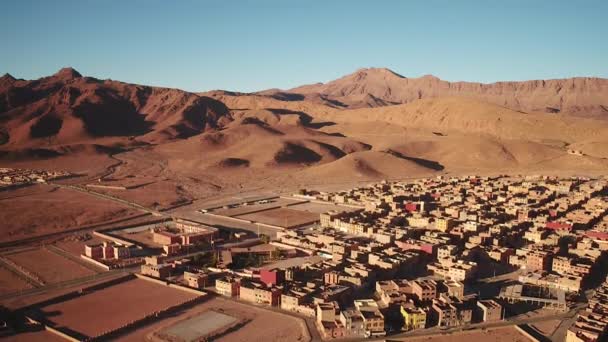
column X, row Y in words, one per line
column 264, row 238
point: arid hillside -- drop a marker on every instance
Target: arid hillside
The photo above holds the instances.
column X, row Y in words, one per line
column 375, row 87
column 67, row 108
column 172, row 146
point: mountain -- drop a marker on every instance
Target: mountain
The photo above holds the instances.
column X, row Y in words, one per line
column 67, row 108
column 376, row 87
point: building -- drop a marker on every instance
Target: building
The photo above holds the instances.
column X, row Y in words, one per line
column 259, row 293
column 444, row 224
column 372, row 317
column 491, row 311
column 166, row 238
column 160, row 271
column 444, row 314
column 228, row 286
column 414, row 318
column 353, row 322
column 550, row 298
column 538, row 260
column 107, row 250
column 197, row 280
column 424, row 289
column 272, row 277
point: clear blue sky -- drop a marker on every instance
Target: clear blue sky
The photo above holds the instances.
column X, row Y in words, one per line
column 254, row 45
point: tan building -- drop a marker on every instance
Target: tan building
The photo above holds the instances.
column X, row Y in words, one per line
column 372, row 317
column 197, row 280
column 259, row 293
column 160, row 271
column 444, row 314
column 491, row 310
column 538, row 260
column 228, row 286
column 424, row 289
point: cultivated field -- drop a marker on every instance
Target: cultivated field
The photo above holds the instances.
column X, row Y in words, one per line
column 282, row 217
column 43, row 209
column 9, row 282
column 114, row 306
column 50, row 267
column 267, row 325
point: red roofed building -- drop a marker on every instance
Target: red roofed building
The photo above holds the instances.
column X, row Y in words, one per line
column 272, row 277
column 411, row 207
column 558, row 226
column 597, row 235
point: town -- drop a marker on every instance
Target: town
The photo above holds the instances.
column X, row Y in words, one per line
column 398, row 259
column 11, row 178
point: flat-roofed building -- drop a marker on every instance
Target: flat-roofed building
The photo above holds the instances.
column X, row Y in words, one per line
column 424, row 289
column 197, row 280
column 228, row 286
column 414, row 318
column 160, row 271
column 491, row 311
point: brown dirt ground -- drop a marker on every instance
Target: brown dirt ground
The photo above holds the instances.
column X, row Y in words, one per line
column 283, row 217
column 34, row 336
column 264, row 325
column 44, row 209
column 508, row 334
column 547, row 327
column 51, row 267
column 144, row 237
column 114, row 306
column 9, row 282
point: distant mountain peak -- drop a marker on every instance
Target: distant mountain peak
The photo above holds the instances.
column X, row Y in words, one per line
column 377, row 71
column 67, row 73
column 7, row 80
column 7, row 77
column 430, row 77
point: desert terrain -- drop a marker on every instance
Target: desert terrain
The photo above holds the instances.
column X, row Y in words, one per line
column 170, row 148
column 138, row 150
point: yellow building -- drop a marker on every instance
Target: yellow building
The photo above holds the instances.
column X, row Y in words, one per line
column 414, row 318
column 444, row 224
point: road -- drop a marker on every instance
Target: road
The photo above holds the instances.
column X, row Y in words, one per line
column 110, row 198
column 68, row 283
column 516, row 320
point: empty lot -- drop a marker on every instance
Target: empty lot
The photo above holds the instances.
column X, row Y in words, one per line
column 10, row 282
column 282, row 217
column 273, row 326
column 50, row 267
column 93, row 313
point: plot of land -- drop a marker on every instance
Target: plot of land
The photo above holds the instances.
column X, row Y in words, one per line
column 50, row 267
column 35, row 335
column 10, row 282
column 269, row 325
column 144, row 237
column 283, row 217
column 43, row 209
column 114, row 306
column 497, row 335
column 202, row 326
column 320, row 207
column 245, row 209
